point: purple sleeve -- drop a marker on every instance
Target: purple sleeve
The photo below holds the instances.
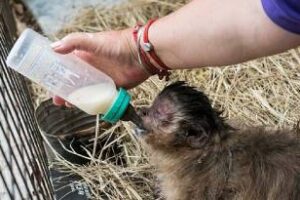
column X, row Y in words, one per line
column 285, row 13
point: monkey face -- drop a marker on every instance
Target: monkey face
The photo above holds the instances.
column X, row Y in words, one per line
column 160, row 122
column 180, row 116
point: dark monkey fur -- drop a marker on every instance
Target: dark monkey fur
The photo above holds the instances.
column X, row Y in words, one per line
column 200, row 157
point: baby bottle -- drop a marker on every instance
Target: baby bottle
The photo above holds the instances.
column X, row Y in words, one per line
column 68, row 77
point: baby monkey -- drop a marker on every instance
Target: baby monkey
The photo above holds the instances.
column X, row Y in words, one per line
column 200, row 157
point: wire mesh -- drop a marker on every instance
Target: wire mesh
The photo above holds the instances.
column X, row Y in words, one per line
column 23, row 167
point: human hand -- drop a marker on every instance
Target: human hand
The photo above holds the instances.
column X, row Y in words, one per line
column 113, row 52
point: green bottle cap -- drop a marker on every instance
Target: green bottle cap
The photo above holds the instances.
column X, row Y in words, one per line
column 118, row 107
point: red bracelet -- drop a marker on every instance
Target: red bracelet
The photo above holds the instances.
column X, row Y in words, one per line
column 148, row 47
column 142, row 57
column 136, row 31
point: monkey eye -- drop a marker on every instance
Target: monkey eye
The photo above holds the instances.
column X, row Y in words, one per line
column 143, row 111
column 165, row 122
column 160, row 117
column 157, row 114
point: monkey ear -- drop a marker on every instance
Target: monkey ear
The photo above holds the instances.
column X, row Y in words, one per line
column 196, row 138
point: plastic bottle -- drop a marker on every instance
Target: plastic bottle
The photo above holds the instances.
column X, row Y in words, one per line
column 68, row 77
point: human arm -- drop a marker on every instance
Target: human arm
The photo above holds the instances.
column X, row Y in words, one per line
column 218, row 33
column 202, row 33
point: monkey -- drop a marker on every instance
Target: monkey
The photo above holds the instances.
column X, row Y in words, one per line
column 199, row 156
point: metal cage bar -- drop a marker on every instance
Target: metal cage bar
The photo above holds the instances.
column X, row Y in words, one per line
column 23, row 165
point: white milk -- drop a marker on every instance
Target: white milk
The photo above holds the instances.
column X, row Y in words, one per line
column 94, row 99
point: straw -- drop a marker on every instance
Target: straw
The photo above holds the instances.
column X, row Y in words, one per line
column 259, row 92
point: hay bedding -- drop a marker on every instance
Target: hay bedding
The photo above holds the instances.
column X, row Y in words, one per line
column 260, row 92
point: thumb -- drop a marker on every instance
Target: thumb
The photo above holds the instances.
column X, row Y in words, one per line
column 75, row 41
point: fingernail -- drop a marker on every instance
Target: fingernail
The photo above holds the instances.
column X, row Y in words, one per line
column 56, row 44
